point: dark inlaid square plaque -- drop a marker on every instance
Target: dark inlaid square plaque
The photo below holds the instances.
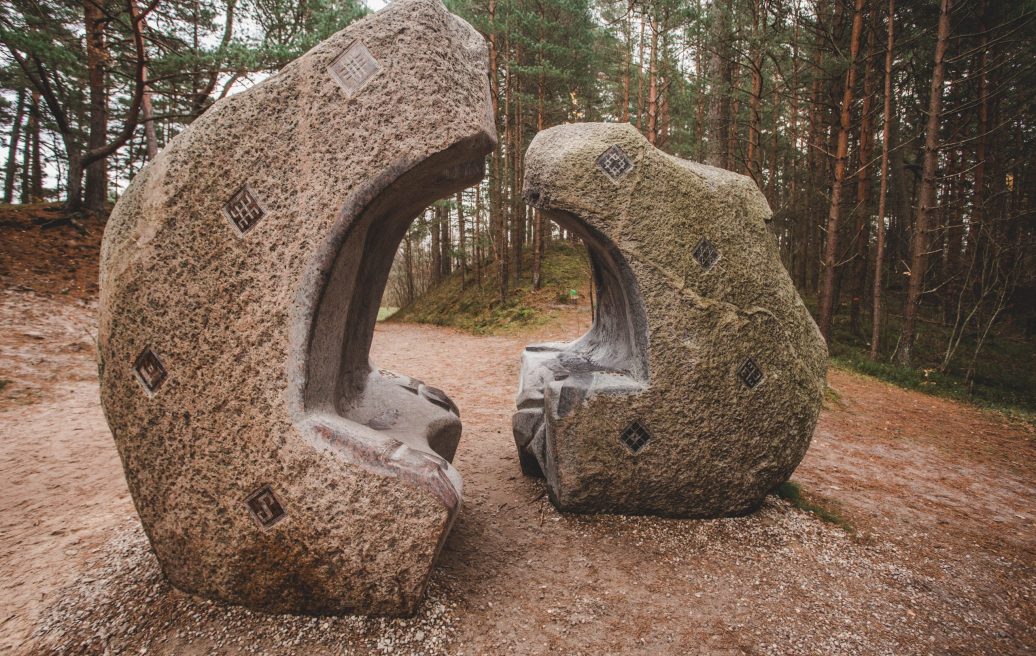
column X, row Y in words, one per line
column 244, row 209
column 750, row 373
column 635, row 437
column 264, row 507
column 354, row 68
column 149, row 370
column 615, row 163
column 706, row 253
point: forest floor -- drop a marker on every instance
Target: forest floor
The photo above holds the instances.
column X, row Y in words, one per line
column 928, row 546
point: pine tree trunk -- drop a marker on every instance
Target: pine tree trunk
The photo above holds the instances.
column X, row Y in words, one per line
column 146, row 108
column 720, row 83
column 36, row 177
column 640, row 78
column 11, row 170
column 755, row 100
column 926, row 201
column 537, row 218
column 33, row 125
column 517, row 205
column 629, row 63
column 479, row 255
column 462, row 245
column 861, row 229
column 977, row 219
column 664, row 83
column 74, row 192
column 827, row 292
column 800, row 222
column 96, row 189
column 445, row 241
column 652, row 102
column 436, row 246
column 879, row 246
column 771, row 178
column 497, row 227
column 408, row 270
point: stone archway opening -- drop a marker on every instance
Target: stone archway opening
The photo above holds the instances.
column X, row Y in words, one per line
column 610, row 358
column 341, row 382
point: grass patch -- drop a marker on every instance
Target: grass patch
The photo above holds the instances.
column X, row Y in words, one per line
column 477, row 308
column 792, row 493
column 994, row 395
column 833, row 398
column 1005, row 372
column 386, row 312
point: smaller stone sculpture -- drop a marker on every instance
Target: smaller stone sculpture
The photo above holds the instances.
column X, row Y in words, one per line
column 698, row 387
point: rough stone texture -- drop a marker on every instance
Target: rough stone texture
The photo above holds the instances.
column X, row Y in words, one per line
column 272, row 465
column 698, row 387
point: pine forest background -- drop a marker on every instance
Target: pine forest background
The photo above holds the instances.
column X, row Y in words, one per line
column 892, row 138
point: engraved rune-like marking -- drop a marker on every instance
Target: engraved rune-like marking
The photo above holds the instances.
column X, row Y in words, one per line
column 149, row 370
column 706, row 253
column 615, row 163
column 354, row 68
column 244, row 209
column 750, row 373
column 635, row 437
column 264, row 507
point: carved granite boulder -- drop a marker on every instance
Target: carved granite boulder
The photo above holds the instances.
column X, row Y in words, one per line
column 271, row 463
column 697, row 389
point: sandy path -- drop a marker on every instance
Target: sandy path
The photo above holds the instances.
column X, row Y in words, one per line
column 941, row 496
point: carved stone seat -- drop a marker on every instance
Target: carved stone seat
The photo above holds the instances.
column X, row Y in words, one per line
column 272, row 464
column 697, row 389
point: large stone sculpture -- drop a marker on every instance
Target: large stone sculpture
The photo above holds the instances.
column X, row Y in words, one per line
column 272, row 465
column 697, row 389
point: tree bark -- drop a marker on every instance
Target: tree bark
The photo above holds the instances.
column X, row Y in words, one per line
column 26, row 196
column 861, row 229
column 827, row 292
column 436, row 246
column 879, row 246
column 927, row 201
column 462, row 245
column 652, row 100
column 445, row 240
column 36, row 175
column 977, row 218
column 720, row 82
column 537, row 218
column 11, row 171
column 629, row 63
column 640, row 78
column 96, row 189
column 479, row 257
column 146, row 110
column 756, row 97
column 497, row 227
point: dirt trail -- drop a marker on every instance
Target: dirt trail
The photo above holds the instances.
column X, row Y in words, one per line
column 941, row 496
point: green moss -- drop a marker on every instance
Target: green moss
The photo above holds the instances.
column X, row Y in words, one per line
column 792, row 493
column 832, row 398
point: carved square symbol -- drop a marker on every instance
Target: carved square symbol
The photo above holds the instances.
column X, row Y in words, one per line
column 244, row 209
column 635, row 437
column 149, row 370
column 706, row 253
column 750, row 373
column 354, row 68
column 615, row 163
column 264, row 507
